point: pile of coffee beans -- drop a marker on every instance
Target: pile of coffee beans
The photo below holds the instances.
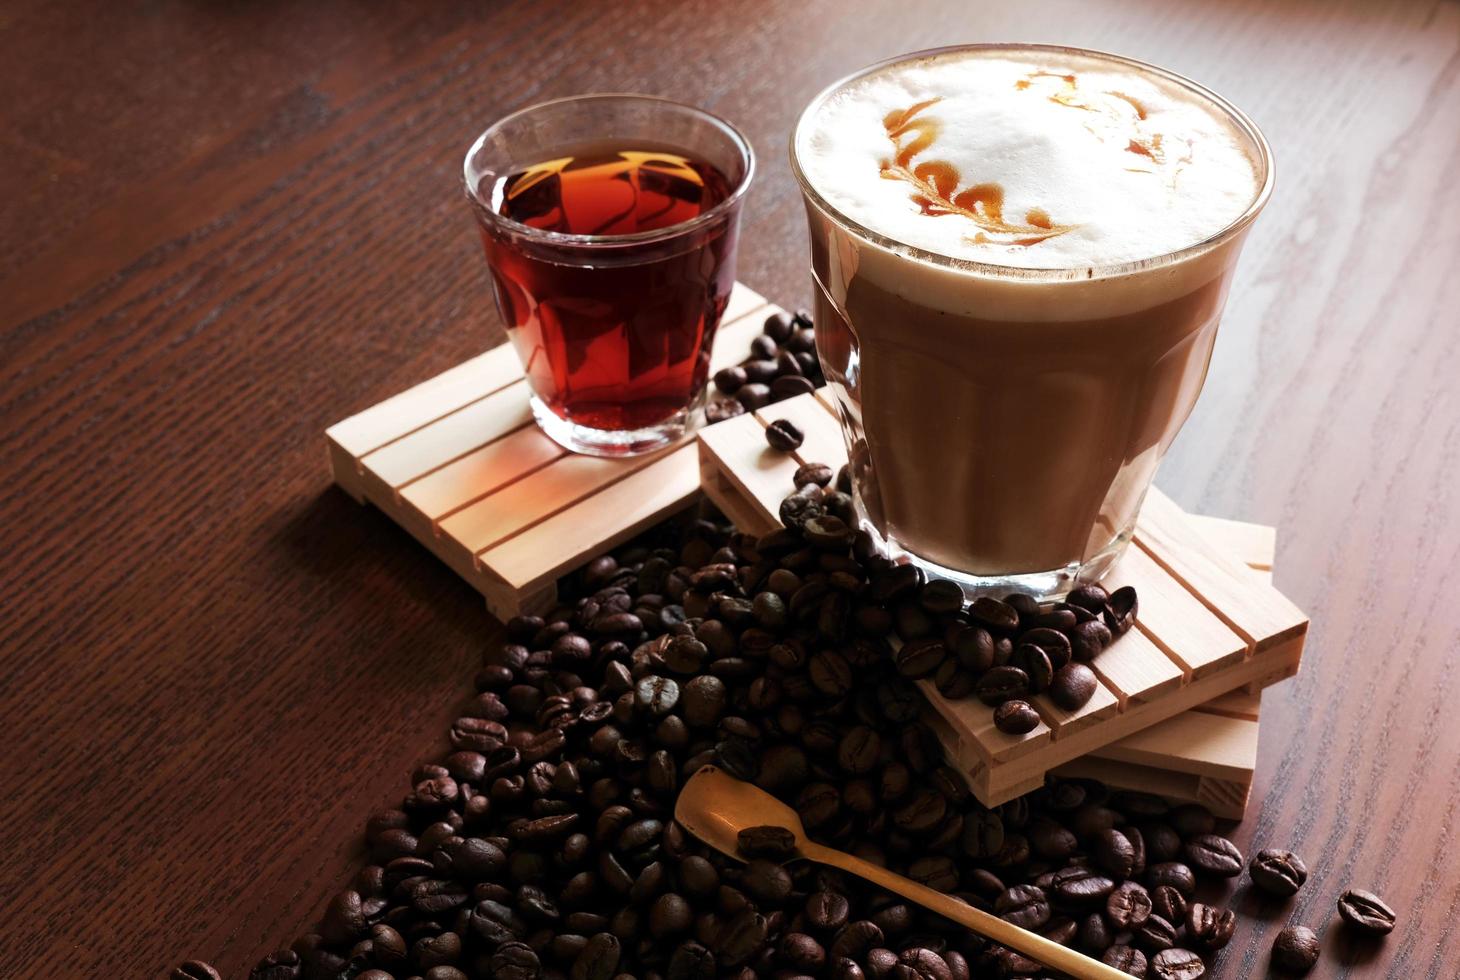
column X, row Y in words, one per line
column 542, row 845
column 782, row 364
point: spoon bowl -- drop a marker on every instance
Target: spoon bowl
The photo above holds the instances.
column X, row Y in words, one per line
column 716, row 807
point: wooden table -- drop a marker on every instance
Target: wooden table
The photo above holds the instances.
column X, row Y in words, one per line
column 227, row 225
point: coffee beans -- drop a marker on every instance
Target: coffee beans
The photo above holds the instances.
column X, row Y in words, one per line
column 1126, row 959
column 784, row 436
column 1177, row 964
column 1015, row 717
column 543, row 846
column 1002, row 684
column 1209, row 928
column 1366, row 912
column 195, row 970
column 1073, row 686
column 1278, row 872
column 782, row 364
column 1295, row 949
column 1214, row 855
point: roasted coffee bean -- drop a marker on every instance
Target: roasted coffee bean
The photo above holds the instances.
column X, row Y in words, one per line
column 1126, row 959
column 993, row 614
column 740, row 937
column 1213, row 854
column 1112, row 851
column 691, row 961
column 814, row 473
column 920, row 657
column 1036, row 666
column 826, row 911
column 1278, row 872
column 1016, row 717
column 1168, row 903
column 854, row 939
column 1051, row 840
column 859, row 750
column 1121, row 611
column 1209, row 928
column 1177, row 964
column 1002, row 684
column 1095, row 936
column 1073, row 686
column 1091, row 597
column 921, row 963
column 766, row 842
column 195, row 970
column 1023, row 905
column 1055, row 644
column 973, row 646
column 754, row 395
column 790, row 385
column 1082, row 887
column 1155, row 934
column 729, row 380
column 1088, row 639
column 1366, row 912
column 1128, row 906
column 802, row 952
column 1162, row 842
column 1172, row 873
column 1295, row 950
column 721, row 409
column 941, row 597
column 599, row 959
column 784, row 436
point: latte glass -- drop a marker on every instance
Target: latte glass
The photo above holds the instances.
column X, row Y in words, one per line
column 1004, row 424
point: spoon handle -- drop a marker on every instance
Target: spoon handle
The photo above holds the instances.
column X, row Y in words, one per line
column 1035, row 946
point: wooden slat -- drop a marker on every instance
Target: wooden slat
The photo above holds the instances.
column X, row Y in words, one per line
column 451, row 436
column 976, row 721
column 1259, row 613
column 535, row 497
column 1235, row 704
column 607, row 519
column 481, row 472
column 739, row 448
column 1135, row 669
column 1255, row 545
column 823, row 434
column 1177, row 621
column 1206, row 744
column 426, row 402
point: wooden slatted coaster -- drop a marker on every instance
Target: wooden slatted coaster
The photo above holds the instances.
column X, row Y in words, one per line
column 1207, row 626
column 459, row 463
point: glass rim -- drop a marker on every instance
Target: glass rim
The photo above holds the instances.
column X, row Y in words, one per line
column 1082, row 273
column 747, row 154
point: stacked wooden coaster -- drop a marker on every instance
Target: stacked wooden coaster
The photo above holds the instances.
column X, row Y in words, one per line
column 1209, row 624
column 458, row 462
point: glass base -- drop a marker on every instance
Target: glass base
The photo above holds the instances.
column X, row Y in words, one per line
column 614, row 442
column 1044, row 586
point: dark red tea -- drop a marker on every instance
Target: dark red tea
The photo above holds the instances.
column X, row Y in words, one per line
column 615, row 335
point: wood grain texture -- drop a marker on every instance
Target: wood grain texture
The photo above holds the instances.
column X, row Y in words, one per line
column 229, row 225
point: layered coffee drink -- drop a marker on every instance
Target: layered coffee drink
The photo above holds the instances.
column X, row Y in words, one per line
column 1021, row 254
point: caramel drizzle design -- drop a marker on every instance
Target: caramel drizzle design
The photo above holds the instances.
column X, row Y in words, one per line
column 1066, row 94
column 935, row 184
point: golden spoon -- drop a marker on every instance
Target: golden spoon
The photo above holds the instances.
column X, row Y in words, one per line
column 715, row 807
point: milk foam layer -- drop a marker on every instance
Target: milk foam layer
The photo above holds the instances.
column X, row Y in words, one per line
column 1028, row 158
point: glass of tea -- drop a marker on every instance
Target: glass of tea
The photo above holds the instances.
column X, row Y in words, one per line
column 610, row 224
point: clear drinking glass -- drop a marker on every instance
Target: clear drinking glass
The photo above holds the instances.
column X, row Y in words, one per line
column 610, row 225
column 1003, row 424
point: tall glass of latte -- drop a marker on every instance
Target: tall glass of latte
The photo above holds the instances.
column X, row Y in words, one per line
column 1020, row 254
